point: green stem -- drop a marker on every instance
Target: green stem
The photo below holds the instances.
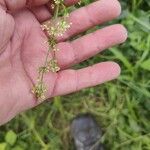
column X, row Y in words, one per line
column 46, row 59
column 39, row 90
column 39, row 138
column 31, row 127
column 56, row 11
column 45, row 63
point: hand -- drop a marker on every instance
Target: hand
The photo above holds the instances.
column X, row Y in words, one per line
column 22, row 51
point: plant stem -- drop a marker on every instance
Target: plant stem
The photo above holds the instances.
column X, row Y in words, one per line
column 54, row 30
column 48, row 52
column 56, row 11
column 28, row 123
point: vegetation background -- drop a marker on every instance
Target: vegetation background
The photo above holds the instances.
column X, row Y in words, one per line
column 121, row 107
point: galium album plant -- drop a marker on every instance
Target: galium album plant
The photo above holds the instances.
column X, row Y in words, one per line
column 54, row 28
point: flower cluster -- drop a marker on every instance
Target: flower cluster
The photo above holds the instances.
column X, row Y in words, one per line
column 54, row 28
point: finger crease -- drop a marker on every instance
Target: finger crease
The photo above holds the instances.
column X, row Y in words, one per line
column 75, row 59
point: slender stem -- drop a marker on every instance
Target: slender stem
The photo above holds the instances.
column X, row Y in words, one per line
column 39, row 138
column 56, row 11
column 39, row 89
column 55, row 17
column 28, row 123
column 46, row 59
column 48, row 52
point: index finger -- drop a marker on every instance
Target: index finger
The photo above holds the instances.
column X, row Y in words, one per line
column 14, row 5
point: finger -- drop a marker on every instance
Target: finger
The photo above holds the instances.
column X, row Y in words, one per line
column 69, row 81
column 44, row 12
column 13, row 5
column 94, row 14
column 71, row 53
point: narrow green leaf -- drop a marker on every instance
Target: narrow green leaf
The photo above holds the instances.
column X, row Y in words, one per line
column 122, row 58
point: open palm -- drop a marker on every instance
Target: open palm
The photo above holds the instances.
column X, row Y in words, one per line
column 23, row 49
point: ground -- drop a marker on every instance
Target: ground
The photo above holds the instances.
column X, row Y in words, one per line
column 121, row 107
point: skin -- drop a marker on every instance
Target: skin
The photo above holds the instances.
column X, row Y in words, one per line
column 22, row 51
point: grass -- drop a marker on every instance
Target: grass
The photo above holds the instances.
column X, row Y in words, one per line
column 121, row 107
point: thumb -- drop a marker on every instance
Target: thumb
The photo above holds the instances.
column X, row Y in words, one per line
column 6, row 28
